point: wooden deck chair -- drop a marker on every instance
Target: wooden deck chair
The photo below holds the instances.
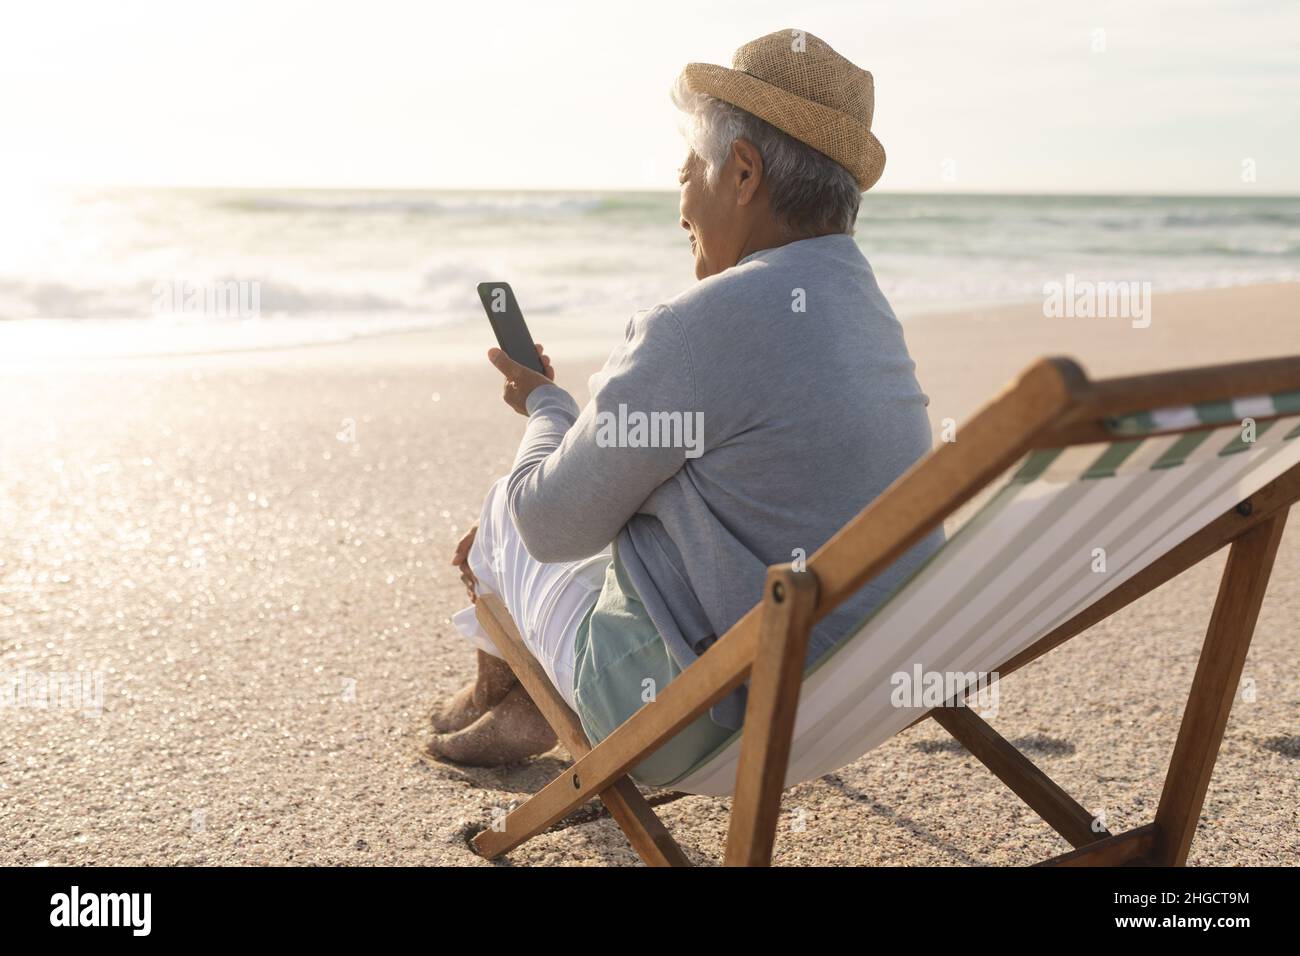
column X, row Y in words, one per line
column 1104, row 491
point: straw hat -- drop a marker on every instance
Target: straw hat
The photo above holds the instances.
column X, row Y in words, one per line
column 801, row 86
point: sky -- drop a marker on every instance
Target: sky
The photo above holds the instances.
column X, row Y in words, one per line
column 1163, row 96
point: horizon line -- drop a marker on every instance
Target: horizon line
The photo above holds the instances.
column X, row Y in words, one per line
column 1085, row 194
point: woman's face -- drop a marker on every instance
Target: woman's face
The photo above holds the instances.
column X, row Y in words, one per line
column 707, row 217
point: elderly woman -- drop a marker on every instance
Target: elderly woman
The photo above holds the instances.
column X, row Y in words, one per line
column 623, row 558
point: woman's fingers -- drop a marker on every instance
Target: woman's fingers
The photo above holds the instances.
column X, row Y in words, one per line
column 471, row 584
column 461, row 554
column 519, row 380
column 546, row 362
column 460, row 559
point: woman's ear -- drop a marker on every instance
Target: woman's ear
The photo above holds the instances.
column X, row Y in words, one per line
column 748, row 170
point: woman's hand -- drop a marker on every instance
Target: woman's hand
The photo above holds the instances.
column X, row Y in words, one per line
column 520, row 380
column 460, row 559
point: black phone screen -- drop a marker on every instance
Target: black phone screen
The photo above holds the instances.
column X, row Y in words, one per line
column 508, row 324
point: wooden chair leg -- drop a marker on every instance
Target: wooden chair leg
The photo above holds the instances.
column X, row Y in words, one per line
column 1133, row 847
column 642, row 826
column 1061, row 811
column 775, row 681
column 1236, row 609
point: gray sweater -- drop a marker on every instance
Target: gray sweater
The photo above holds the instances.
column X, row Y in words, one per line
column 795, row 367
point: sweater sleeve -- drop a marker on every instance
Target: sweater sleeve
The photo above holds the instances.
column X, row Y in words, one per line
column 580, row 476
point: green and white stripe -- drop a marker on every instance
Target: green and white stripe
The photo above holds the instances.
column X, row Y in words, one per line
column 1256, row 407
column 1155, row 450
column 1021, row 566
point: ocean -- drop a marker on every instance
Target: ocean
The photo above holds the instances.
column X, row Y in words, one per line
column 149, row 271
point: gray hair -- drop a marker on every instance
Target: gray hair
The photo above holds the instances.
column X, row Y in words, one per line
column 810, row 192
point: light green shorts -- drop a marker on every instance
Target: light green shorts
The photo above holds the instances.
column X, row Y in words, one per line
column 620, row 664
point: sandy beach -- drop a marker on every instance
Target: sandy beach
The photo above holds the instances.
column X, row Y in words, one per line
column 250, row 552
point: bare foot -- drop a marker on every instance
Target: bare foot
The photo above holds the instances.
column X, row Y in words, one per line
column 511, row 731
column 490, row 686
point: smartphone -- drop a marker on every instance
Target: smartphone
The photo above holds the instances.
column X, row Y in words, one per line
column 508, row 324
